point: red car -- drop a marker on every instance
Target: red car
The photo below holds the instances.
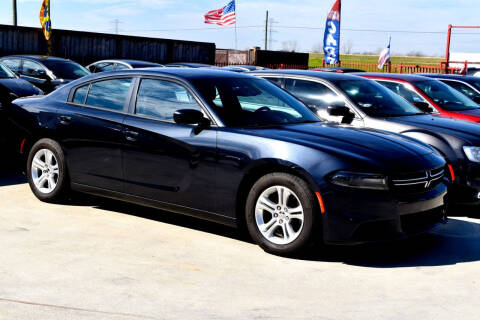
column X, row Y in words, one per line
column 429, row 94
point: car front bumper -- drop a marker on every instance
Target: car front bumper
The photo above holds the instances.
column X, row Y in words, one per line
column 353, row 216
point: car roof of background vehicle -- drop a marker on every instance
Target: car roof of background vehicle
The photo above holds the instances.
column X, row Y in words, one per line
column 338, row 69
column 188, row 64
column 307, row 73
column 37, row 57
column 449, row 76
column 394, row 76
column 131, row 62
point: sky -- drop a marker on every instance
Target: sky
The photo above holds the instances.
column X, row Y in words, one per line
column 366, row 24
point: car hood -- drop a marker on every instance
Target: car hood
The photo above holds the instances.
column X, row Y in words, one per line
column 471, row 112
column 379, row 148
column 20, row 87
column 465, row 130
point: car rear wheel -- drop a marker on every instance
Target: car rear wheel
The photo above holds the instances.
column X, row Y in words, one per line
column 46, row 171
column 280, row 213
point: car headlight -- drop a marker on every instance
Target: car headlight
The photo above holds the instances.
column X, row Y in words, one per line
column 473, row 153
column 359, row 180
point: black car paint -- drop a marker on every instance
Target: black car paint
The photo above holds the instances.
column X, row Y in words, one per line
column 446, row 135
column 208, row 173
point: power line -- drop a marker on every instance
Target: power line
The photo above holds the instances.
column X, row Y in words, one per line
column 304, row 28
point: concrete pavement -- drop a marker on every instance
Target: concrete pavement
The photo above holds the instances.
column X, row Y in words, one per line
column 101, row 259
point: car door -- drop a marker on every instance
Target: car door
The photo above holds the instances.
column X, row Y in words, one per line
column 90, row 128
column 165, row 161
column 318, row 97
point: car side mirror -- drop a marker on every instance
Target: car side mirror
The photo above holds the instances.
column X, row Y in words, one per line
column 341, row 111
column 189, row 116
column 476, row 99
column 423, row 106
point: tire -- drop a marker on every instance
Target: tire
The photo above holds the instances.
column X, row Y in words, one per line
column 290, row 234
column 46, row 161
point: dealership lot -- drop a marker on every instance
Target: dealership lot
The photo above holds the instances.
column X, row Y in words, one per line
column 100, row 259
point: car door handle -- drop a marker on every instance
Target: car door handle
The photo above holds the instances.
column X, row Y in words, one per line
column 131, row 135
column 65, row 119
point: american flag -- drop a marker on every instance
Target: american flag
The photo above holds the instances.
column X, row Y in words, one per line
column 384, row 56
column 223, row 17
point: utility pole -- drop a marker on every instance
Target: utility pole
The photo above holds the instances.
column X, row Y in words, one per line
column 14, row 5
column 116, row 23
column 266, row 31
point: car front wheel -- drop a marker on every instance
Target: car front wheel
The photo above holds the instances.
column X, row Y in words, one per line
column 280, row 213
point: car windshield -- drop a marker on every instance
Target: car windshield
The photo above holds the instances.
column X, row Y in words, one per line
column 6, row 73
column 475, row 83
column 445, row 96
column 66, row 69
column 376, row 100
column 246, row 102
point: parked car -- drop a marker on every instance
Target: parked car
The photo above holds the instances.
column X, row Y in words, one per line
column 429, row 95
column 230, row 148
column 46, row 73
column 468, row 85
column 12, row 87
column 120, row 64
column 188, row 65
column 338, row 69
column 366, row 104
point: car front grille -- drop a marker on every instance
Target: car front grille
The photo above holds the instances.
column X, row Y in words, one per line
column 417, row 181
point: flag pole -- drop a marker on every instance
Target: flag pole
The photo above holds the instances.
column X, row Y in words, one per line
column 236, row 18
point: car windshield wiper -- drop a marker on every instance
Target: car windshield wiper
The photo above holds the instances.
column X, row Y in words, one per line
column 305, row 121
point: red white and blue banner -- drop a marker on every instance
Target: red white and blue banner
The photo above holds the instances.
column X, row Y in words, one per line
column 384, row 56
column 223, row 17
column 331, row 39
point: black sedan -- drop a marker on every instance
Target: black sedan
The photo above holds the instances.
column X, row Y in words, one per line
column 230, row 148
column 366, row 104
column 46, row 73
column 468, row 85
column 120, row 64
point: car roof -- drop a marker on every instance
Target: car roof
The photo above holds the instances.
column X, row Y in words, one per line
column 128, row 61
column 307, row 73
column 180, row 73
column 394, row 76
column 449, row 76
column 338, row 69
column 38, row 58
column 189, row 64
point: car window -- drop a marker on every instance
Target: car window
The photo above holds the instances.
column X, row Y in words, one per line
column 109, row 94
column 32, row 69
column 160, row 99
column 121, row 67
column 276, row 81
column 315, row 95
column 5, row 72
column 376, row 100
column 66, row 69
column 12, row 64
column 404, row 90
column 445, row 96
column 463, row 88
column 246, row 102
column 80, row 94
